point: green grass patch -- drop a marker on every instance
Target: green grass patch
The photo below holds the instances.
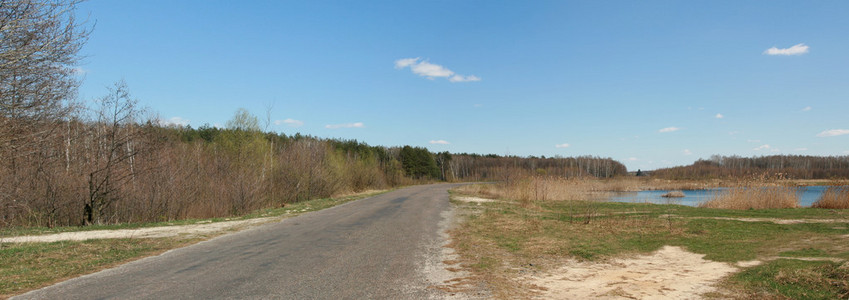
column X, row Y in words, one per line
column 27, row 266
column 796, row 279
column 806, row 252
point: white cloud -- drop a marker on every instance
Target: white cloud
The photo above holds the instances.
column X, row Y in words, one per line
column 687, row 152
column 406, row 62
column 289, row 122
column 346, row 125
column 719, row 116
column 461, row 78
column 669, row 129
column 807, row 108
column 564, row 145
column 762, row 147
column 431, row 71
column 797, row 49
column 633, row 159
column 174, row 121
column 439, row 142
column 833, row 132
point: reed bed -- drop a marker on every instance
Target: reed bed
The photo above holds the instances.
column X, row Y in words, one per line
column 537, row 188
column 755, row 197
column 835, row 197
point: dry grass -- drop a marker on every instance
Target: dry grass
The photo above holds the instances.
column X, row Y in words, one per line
column 754, row 198
column 835, row 197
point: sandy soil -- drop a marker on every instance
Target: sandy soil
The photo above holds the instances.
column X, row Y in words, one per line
column 473, row 199
column 779, row 221
column 669, row 273
column 149, row 232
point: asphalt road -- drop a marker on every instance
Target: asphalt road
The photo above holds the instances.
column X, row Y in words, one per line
column 377, row 247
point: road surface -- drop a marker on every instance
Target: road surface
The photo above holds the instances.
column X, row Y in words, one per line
column 380, row 247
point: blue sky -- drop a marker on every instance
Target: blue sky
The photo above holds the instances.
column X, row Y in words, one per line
column 649, row 83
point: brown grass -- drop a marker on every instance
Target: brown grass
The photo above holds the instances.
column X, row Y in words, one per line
column 835, row 197
column 754, row 198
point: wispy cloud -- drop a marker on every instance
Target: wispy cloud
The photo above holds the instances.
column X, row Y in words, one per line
column 669, row 129
column 833, row 132
column 797, row 49
column 632, row 159
column 439, row 142
column 406, row 62
column 807, row 108
column 345, row 125
column 762, row 147
column 461, row 78
column 564, row 145
column 430, row 71
column 687, row 152
column 174, row 121
column 719, row 116
column 289, row 122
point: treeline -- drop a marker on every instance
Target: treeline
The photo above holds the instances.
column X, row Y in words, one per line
column 473, row 167
column 791, row 166
column 107, row 165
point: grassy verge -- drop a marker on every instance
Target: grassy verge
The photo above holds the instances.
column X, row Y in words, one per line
column 28, row 266
column 502, row 240
column 293, row 209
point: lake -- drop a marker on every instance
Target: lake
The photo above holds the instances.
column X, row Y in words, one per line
column 807, row 196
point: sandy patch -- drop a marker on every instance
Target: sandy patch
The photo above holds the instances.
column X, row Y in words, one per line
column 150, row 232
column 773, row 220
column 831, row 259
column 669, row 273
column 473, row 199
column 785, row 221
column 749, row 263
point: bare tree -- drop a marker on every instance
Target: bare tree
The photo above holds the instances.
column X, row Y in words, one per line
column 116, row 133
column 39, row 45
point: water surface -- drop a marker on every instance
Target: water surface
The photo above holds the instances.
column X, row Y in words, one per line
column 807, row 196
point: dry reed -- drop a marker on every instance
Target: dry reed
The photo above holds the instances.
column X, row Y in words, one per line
column 835, row 197
column 754, row 197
